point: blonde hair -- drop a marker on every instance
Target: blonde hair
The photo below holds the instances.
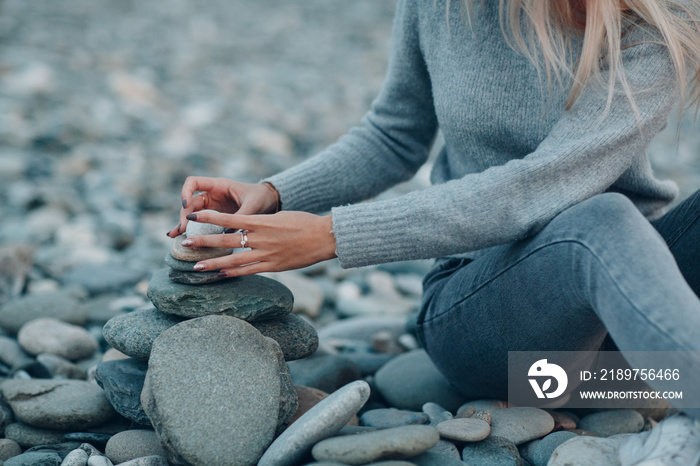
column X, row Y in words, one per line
column 551, row 25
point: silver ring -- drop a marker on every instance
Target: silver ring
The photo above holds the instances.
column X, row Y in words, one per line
column 244, row 237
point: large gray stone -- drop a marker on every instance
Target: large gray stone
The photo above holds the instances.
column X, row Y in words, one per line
column 411, row 379
column 132, row 444
column 322, row 421
column 122, row 381
column 57, row 404
column 195, row 278
column 249, row 298
column 520, row 424
column 394, row 443
column 50, row 335
column 134, row 333
column 213, row 391
column 60, row 304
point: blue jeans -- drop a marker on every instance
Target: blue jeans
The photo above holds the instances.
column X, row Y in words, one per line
column 597, row 268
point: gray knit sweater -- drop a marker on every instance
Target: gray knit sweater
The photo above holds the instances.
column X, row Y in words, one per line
column 513, row 157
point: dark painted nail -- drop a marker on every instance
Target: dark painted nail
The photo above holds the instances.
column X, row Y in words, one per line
column 192, row 217
column 221, row 274
column 230, row 230
column 178, row 227
column 184, row 203
column 167, row 234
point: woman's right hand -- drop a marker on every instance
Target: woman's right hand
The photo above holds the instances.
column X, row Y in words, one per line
column 225, row 196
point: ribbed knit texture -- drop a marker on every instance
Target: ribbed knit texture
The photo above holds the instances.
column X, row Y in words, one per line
column 513, row 157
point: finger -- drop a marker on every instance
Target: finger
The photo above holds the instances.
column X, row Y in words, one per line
column 197, row 202
column 238, row 221
column 195, row 183
column 229, row 261
column 250, row 269
column 228, row 240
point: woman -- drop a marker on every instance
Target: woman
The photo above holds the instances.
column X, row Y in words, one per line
column 548, row 224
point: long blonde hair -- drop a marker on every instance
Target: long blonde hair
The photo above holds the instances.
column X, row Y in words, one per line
column 552, row 24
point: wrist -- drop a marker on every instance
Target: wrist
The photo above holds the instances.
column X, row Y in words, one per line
column 273, row 198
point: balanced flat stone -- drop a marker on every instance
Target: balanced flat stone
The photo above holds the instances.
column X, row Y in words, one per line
column 134, row 333
column 200, row 228
column 57, row 404
column 182, row 266
column 122, row 381
column 411, row 379
column 520, row 424
column 195, row 278
column 179, row 252
column 394, row 443
column 322, row 421
column 249, row 298
column 464, row 430
column 213, row 390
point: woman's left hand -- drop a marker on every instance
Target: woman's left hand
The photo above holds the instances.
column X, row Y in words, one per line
column 283, row 241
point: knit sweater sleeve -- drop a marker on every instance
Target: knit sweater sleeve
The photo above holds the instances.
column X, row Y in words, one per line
column 583, row 155
column 392, row 142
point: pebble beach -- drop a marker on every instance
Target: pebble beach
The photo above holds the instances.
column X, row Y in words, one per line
column 114, row 352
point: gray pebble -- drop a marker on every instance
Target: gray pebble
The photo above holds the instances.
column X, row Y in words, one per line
column 483, row 415
column 617, row 421
column 8, row 449
column 12, row 354
column 544, row 448
column 320, row 422
column 28, row 436
column 431, row 458
column 134, row 333
column 98, row 460
column 50, row 335
column 520, row 424
column 96, row 279
column 122, row 381
column 147, row 461
column 77, row 457
column 60, row 367
column 447, row 448
column 436, row 413
column 61, row 304
column 131, row 444
column 493, row 451
column 464, row 430
column 397, row 443
column 57, row 404
column 355, row 430
column 392, row 417
column 35, row 458
column 585, row 451
column 326, row 373
column 411, row 379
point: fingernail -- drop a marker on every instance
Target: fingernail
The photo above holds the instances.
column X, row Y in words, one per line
column 167, row 234
column 199, row 267
column 230, row 230
column 184, row 203
column 188, row 242
column 221, row 274
column 192, row 217
column 178, row 227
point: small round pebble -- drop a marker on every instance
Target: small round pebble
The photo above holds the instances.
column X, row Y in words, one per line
column 544, row 449
column 392, row 417
column 98, row 460
column 493, row 451
column 520, row 424
column 8, row 449
column 618, row 421
column 585, row 451
column 49, row 335
column 131, row 444
column 35, row 458
column 464, row 430
column 483, row 415
column 395, row 443
column 77, row 457
column 147, row 461
column 436, row 413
